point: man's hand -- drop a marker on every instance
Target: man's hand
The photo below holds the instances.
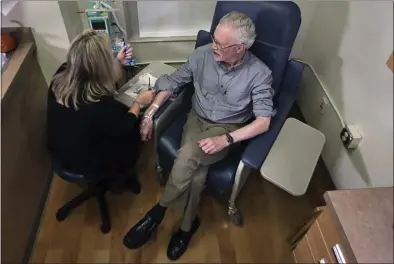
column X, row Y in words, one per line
column 146, row 128
column 213, row 145
column 146, row 125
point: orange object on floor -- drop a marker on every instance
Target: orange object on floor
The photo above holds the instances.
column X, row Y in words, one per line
column 8, row 43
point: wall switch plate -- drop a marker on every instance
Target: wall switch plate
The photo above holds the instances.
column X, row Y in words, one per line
column 351, row 136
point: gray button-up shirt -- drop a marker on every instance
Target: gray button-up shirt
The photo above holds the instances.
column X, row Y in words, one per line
column 223, row 95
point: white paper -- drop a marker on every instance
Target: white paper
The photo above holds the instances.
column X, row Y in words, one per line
column 142, row 84
column 146, row 78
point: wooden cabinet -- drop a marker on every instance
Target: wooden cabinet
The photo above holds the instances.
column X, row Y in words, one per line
column 320, row 241
column 356, row 226
column 303, row 253
column 25, row 164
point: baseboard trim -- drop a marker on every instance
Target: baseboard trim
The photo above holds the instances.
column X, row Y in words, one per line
column 37, row 222
column 169, row 62
column 163, row 39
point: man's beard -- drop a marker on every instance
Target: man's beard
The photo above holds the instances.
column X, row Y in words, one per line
column 217, row 57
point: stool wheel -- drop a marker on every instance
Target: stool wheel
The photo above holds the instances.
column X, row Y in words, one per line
column 62, row 213
column 105, row 228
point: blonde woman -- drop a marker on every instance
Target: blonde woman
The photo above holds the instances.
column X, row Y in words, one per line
column 89, row 132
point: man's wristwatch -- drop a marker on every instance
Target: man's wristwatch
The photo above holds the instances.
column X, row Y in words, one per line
column 230, row 139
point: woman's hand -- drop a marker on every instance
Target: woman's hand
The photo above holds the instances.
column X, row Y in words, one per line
column 145, row 97
column 123, row 56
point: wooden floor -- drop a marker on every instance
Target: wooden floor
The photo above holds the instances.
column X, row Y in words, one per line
column 270, row 216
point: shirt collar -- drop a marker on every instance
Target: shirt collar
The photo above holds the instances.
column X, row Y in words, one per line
column 239, row 65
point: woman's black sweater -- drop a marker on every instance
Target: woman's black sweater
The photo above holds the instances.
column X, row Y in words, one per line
column 98, row 138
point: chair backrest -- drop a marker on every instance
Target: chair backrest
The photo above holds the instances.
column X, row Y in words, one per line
column 277, row 24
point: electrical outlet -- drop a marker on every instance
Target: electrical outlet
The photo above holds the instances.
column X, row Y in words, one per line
column 323, row 104
column 350, row 136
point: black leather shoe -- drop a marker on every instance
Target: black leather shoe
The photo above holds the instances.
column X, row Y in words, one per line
column 180, row 241
column 140, row 233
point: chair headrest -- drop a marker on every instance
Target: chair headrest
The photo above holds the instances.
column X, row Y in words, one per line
column 277, row 24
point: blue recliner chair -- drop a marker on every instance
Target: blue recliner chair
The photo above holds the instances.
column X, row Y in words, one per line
column 277, row 24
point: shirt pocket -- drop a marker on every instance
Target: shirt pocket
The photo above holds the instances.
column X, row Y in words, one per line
column 236, row 98
column 208, row 87
column 200, row 92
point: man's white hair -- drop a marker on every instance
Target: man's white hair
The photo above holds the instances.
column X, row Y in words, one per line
column 243, row 25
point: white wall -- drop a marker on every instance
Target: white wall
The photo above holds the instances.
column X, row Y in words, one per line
column 177, row 22
column 307, row 9
column 174, row 18
column 185, row 18
column 82, row 5
column 348, row 44
column 71, row 18
column 48, row 29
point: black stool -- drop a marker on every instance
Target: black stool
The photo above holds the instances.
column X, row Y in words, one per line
column 95, row 187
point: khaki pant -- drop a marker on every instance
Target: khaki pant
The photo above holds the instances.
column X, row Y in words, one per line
column 188, row 175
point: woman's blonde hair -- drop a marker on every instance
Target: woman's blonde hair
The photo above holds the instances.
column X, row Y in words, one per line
column 91, row 71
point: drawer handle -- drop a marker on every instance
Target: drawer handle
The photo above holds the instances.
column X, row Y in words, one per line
column 338, row 254
column 322, row 261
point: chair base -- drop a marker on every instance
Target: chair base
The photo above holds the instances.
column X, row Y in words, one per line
column 235, row 215
column 160, row 175
column 99, row 193
column 241, row 176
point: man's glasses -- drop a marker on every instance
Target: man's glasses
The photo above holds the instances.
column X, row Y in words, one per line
column 220, row 46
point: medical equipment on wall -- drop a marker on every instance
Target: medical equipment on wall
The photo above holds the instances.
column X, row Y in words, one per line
column 101, row 17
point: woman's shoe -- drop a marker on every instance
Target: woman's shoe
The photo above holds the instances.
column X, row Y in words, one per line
column 127, row 181
column 133, row 185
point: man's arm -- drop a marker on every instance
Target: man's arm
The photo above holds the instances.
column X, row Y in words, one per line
column 260, row 125
column 165, row 86
column 170, row 83
column 262, row 99
column 160, row 98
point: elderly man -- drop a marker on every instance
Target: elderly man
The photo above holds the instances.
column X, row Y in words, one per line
column 231, row 86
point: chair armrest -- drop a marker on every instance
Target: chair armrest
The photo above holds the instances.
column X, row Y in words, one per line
column 291, row 82
column 258, row 147
column 203, row 38
column 172, row 108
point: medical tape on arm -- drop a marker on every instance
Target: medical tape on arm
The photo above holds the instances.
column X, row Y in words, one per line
column 152, row 111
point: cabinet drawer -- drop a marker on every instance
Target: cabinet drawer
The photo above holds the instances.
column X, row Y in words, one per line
column 318, row 245
column 331, row 237
column 302, row 253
